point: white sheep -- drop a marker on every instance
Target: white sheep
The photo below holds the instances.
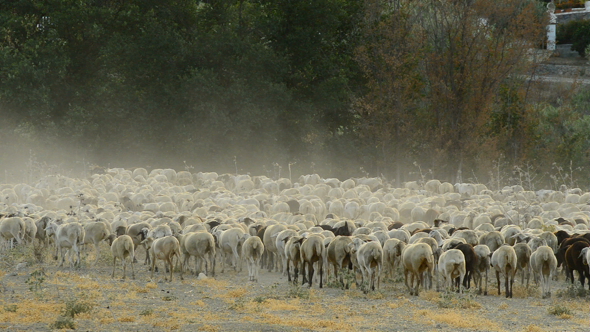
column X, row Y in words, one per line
column 280, row 243
column 95, row 232
column 370, row 261
column 493, row 240
column 201, row 245
column 451, row 265
column 544, row 266
column 504, row 261
column 392, row 253
column 312, row 252
column 30, row 230
column 230, row 242
column 122, row 247
column 252, row 251
column 12, row 228
column 338, row 254
column 483, row 253
column 68, row 236
column 523, row 256
column 160, row 231
column 138, row 233
column 164, row 248
column 417, row 260
column 270, row 247
column 293, row 253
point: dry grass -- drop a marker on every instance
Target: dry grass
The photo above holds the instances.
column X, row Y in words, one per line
column 280, row 305
column 234, row 293
column 212, row 283
column 521, row 292
column 533, row 328
column 503, row 306
column 127, row 319
column 306, row 323
column 32, row 311
column 400, row 303
column 430, row 295
column 458, row 319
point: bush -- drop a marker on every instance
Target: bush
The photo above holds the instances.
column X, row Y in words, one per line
column 581, row 37
column 565, row 32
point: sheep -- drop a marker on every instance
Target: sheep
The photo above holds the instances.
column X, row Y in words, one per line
column 449, row 243
column 468, row 235
column 70, row 236
column 504, row 261
column 96, row 232
column 138, row 233
column 270, row 247
column 280, row 242
column 544, row 265
column 160, row 231
column 293, row 253
column 252, row 251
column 560, row 254
column 536, row 242
column 523, row 254
column 483, row 254
column 12, row 228
column 437, row 252
column 30, row 230
column 338, row 254
column 343, row 228
column 574, row 261
column 370, row 260
column 312, row 251
column 392, row 252
column 164, row 248
column 451, row 266
column 41, row 225
column 470, row 262
column 493, row 240
column 201, row 245
column 417, row 259
column 230, row 242
column 400, row 234
column 122, row 247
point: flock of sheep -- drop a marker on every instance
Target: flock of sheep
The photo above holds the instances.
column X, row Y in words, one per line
column 354, row 230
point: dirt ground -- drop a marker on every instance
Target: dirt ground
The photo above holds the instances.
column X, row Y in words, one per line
column 41, row 296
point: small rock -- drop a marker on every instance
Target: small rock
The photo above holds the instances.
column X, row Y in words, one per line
column 201, row 276
column 21, row 266
column 13, row 274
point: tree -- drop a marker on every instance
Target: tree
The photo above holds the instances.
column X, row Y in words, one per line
column 390, row 57
column 473, row 46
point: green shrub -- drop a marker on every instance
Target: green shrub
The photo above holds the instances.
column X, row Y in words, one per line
column 565, row 32
column 581, row 37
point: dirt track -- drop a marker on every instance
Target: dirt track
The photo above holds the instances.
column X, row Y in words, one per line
column 229, row 302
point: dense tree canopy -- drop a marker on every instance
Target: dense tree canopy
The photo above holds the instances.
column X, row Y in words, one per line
column 337, row 86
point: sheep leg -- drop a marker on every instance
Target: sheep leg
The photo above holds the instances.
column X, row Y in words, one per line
column 114, row 264
column 311, row 271
column 132, row 270
column 506, row 285
column 234, row 259
column 169, row 264
column 420, row 278
column 498, row 278
column 153, row 268
column 406, row 281
column 97, row 253
column 321, row 268
column 288, row 272
column 486, row 290
column 124, row 263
